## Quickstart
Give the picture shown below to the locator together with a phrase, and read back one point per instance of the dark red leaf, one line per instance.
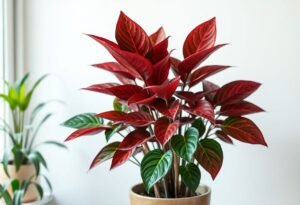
(102, 88)
(244, 130)
(131, 37)
(209, 154)
(134, 139)
(210, 89)
(115, 116)
(138, 119)
(201, 73)
(115, 68)
(235, 92)
(87, 131)
(159, 51)
(194, 60)
(136, 64)
(167, 90)
(224, 137)
(169, 109)
(160, 72)
(124, 92)
(143, 97)
(174, 65)
(105, 154)
(200, 38)
(120, 157)
(158, 36)
(164, 130)
(239, 109)
(203, 109)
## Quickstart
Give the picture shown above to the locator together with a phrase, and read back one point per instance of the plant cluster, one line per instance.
(165, 108)
(25, 129)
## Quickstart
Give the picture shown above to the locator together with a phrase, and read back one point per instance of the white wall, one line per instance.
(265, 46)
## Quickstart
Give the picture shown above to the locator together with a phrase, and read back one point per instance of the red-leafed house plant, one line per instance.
(170, 117)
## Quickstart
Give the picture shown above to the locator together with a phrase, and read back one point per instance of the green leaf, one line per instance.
(36, 110)
(15, 184)
(83, 120)
(41, 159)
(32, 157)
(21, 82)
(39, 189)
(190, 175)
(30, 93)
(105, 154)
(58, 144)
(110, 132)
(5, 195)
(48, 183)
(119, 106)
(18, 196)
(5, 163)
(199, 125)
(209, 155)
(18, 157)
(185, 146)
(155, 165)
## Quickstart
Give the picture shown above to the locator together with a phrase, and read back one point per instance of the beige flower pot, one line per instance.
(25, 172)
(202, 199)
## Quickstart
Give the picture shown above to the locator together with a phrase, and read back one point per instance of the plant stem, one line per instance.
(176, 174)
(165, 187)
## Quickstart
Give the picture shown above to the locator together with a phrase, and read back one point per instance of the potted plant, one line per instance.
(23, 160)
(170, 123)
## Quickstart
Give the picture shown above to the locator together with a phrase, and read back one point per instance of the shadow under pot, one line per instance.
(203, 197)
(25, 173)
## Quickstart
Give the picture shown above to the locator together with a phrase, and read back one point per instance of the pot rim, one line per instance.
(208, 192)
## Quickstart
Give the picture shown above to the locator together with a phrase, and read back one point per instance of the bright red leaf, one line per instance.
(164, 130)
(102, 88)
(87, 131)
(235, 92)
(134, 139)
(239, 109)
(124, 92)
(157, 36)
(120, 157)
(143, 97)
(167, 90)
(203, 109)
(131, 37)
(115, 116)
(115, 68)
(200, 38)
(224, 137)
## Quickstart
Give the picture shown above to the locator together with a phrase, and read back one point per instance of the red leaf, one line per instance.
(102, 88)
(124, 92)
(200, 38)
(87, 131)
(167, 90)
(138, 119)
(143, 97)
(210, 89)
(174, 65)
(203, 109)
(235, 92)
(164, 130)
(204, 72)
(105, 154)
(136, 64)
(186, 95)
(115, 68)
(157, 36)
(134, 139)
(160, 72)
(240, 108)
(169, 109)
(224, 137)
(120, 157)
(243, 130)
(159, 51)
(194, 60)
(131, 37)
(115, 116)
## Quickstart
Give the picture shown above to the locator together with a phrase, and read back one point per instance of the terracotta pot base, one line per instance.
(202, 199)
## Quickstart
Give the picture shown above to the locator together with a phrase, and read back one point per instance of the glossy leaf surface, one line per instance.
(190, 175)
(164, 130)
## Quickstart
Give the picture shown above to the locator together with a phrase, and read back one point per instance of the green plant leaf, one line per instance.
(5, 195)
(21, 82)
(18, 157)
(48, 183)
(199, 125)
(155, 165)
(83, 120)
(105, 154)
(110, 132)
(15, 184)
(50, 142)
(39, 189)
(185, 146)
(209, 154)
(190, 175)
(32, 157)
(5, 163)
(119, 106)
(18, 196)
(36, 110)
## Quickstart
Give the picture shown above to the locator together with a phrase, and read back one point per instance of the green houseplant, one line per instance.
(23, 160)
(171, 123)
